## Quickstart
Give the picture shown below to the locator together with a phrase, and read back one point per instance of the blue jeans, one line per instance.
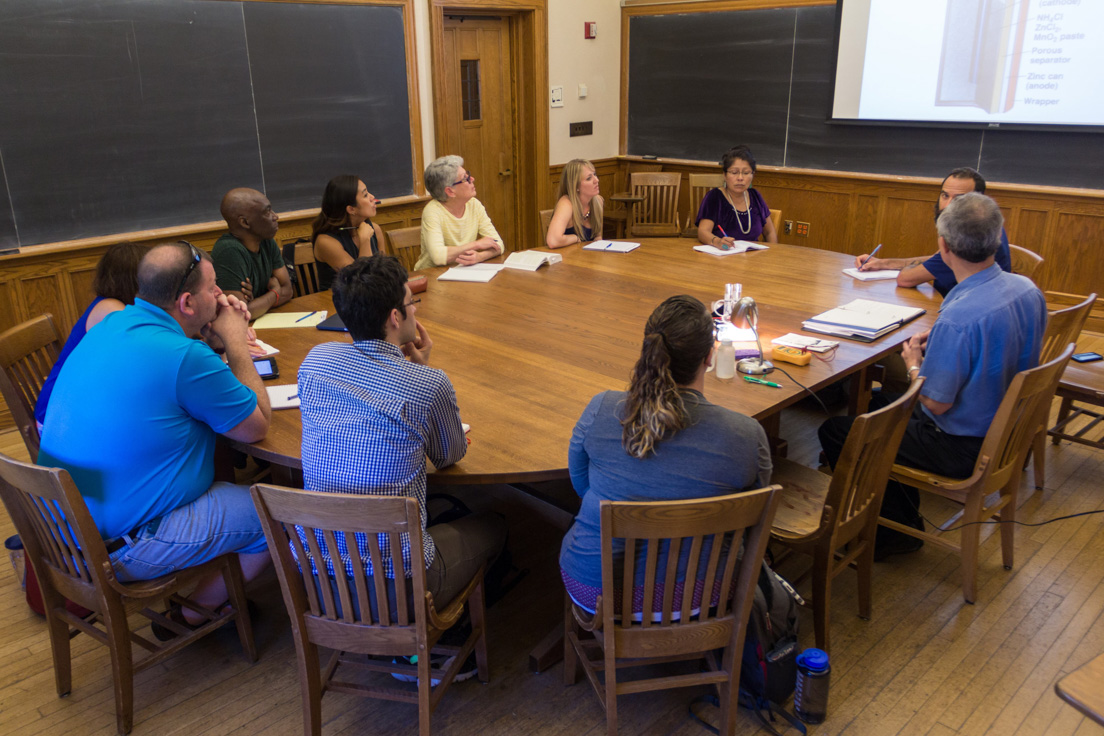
(222, 520)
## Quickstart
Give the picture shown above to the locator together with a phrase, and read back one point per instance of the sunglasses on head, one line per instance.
(196, 258)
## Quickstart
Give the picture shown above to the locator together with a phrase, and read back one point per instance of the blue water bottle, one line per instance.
(811, 695)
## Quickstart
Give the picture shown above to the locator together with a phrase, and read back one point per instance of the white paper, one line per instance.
(268, 349)
(871, 275)
(740, 246)
(276, 320)
(531, 260)
(866, 314)
(480, 273)
(793, 340)
(283, 397)
(612, 246)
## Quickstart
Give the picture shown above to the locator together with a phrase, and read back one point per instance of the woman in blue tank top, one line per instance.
(578, 214)
(115, 284)
(343, 230)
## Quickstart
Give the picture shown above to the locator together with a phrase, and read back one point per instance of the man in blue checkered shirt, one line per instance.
(374, 411)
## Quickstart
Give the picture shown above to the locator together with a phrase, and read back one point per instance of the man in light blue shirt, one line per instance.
(134, 417)
(990, 327)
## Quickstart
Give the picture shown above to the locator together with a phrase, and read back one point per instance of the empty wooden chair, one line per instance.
(834, 518)
(1024, 261)
(546, 221)
(28, 352)
(992, 489)
(405, 243)
(657, 214)
(669, 627)
(356, 616)
(700, 184)
(71, 561)
(1063, 327)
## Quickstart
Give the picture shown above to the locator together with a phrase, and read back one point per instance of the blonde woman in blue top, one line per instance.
(578, 214)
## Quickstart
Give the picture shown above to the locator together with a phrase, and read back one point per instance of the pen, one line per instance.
(306, 315)
(870, 256)
(293, 396)
(749, 379)
(723, 234)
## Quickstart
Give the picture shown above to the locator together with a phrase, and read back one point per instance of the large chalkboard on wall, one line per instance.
(118, 116)
(702, 82)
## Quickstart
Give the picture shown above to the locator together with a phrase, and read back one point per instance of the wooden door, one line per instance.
(480, 114)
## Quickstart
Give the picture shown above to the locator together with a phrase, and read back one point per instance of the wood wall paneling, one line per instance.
(1078, 267)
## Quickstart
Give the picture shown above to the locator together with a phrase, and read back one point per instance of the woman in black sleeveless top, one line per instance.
(343, 230)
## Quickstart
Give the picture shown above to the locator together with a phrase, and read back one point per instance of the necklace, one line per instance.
(747, 207)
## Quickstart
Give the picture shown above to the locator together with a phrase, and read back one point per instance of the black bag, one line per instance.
(769, 670)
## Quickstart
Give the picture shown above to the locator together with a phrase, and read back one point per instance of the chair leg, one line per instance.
(59, 640)
(971, 537)
(610, 674)
(1063, 412)
(477, 610)
(571, 664)
(425, 686)
(1038, 451)
(865, 564)
(122, 667)
(310, 685)
(822, 594)
(1008, 528)
(728, 694)
(235, 586)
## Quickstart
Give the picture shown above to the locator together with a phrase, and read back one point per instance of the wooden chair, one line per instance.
(700, 184)
(306, 268)
(1063, 327)
(674, 630)
(546, 221)
(1080, 385)
(71, 561)
(28, 352)
(834, 518)
(776, 220)
(358, 618)
(657, 215)
(1024, 261)
(615, 212)
(992, 489)
(405, 243)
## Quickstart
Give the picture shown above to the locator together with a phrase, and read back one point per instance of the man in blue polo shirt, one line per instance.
(990, 327)
(922, 269)
(134, 416)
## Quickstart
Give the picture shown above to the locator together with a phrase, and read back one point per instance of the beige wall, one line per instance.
(573, 60)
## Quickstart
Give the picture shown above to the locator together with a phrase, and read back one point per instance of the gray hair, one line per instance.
(440, 174)
(971, 226)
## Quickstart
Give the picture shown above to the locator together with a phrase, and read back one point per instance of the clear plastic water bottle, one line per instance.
(726, 360)
(811, 695)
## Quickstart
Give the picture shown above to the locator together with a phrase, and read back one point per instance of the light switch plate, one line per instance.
(557, 97)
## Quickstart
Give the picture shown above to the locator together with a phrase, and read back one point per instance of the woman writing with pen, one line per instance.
(735, 211)
(343, 230)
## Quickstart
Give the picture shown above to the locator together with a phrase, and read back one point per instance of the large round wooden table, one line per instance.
(527, 350)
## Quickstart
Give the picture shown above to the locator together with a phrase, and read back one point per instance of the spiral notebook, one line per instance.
(862, 319)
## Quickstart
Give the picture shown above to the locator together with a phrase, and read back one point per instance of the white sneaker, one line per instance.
(466, 672)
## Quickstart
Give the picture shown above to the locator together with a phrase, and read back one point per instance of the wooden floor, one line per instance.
(926, 663)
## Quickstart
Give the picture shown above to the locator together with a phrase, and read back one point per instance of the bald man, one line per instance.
(247, 259)
(134, 416)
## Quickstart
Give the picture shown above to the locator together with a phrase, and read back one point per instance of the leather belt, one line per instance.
(125, 540)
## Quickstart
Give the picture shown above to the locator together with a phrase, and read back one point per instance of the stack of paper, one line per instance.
(480, 272)
(871, 275)
(612, 246)
(740, 246)
(803, 342)
(283, 397)
(862, 319)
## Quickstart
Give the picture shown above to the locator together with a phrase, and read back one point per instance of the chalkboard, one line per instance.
(700, 83)
(118, 116)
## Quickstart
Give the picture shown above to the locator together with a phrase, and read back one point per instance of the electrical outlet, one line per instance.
(802, 229)
(787, 227)
(586, 128)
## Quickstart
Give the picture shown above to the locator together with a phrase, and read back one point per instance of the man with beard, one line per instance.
(247, 259)
(920, 270)
(134, 416)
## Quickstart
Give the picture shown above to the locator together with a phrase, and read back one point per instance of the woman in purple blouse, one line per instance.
(736, 211)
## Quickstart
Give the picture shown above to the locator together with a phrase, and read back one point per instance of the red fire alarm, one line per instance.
(590, 29)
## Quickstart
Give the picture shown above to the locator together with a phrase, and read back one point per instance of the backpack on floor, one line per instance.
(769, 669)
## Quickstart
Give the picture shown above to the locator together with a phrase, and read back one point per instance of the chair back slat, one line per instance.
(405, 244)
(376, 556)
(667, 528)
(401, 609)
(546, 221)
(306, 269)
(1020, 414)
(329, 610)
(360, 585)
(28, 352)
(339, 581)
(859, 480)
(657, 214)
(288, 535)
(1064, 326)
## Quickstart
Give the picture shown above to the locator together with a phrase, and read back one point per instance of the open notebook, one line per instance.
(862, 319)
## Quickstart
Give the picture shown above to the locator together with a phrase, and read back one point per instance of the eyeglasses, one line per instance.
(196, 258)
(467, 178)
(410, 303)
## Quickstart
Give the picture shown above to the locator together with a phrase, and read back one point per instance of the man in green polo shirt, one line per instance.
(247, 259)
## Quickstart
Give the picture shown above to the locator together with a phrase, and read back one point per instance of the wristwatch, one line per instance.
(913, 368)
